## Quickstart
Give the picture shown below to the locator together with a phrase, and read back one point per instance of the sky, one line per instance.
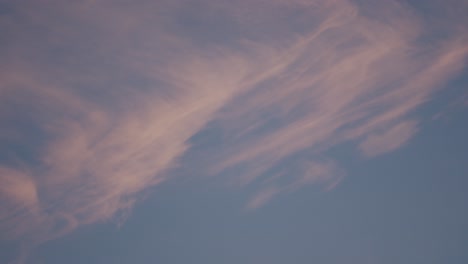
(249, 131)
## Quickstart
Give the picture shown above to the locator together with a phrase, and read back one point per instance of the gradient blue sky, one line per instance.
(197, 131)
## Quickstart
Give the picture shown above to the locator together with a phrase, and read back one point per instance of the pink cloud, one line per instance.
(118, 92)
(262, 197)
(389, 140)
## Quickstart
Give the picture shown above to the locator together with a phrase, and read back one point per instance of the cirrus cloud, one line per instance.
(101, 99)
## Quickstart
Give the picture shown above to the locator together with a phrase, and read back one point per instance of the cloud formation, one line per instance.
(101, 99)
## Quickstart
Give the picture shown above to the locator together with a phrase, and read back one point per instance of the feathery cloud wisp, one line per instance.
(109, 97)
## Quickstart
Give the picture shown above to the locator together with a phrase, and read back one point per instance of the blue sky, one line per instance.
(233, 132)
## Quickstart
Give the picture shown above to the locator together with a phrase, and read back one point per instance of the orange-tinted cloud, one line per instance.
(114, 94)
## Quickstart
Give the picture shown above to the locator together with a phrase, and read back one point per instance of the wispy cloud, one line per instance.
(108, 98)
(388, 140)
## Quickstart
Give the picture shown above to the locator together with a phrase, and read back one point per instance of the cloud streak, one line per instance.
(111, 97)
